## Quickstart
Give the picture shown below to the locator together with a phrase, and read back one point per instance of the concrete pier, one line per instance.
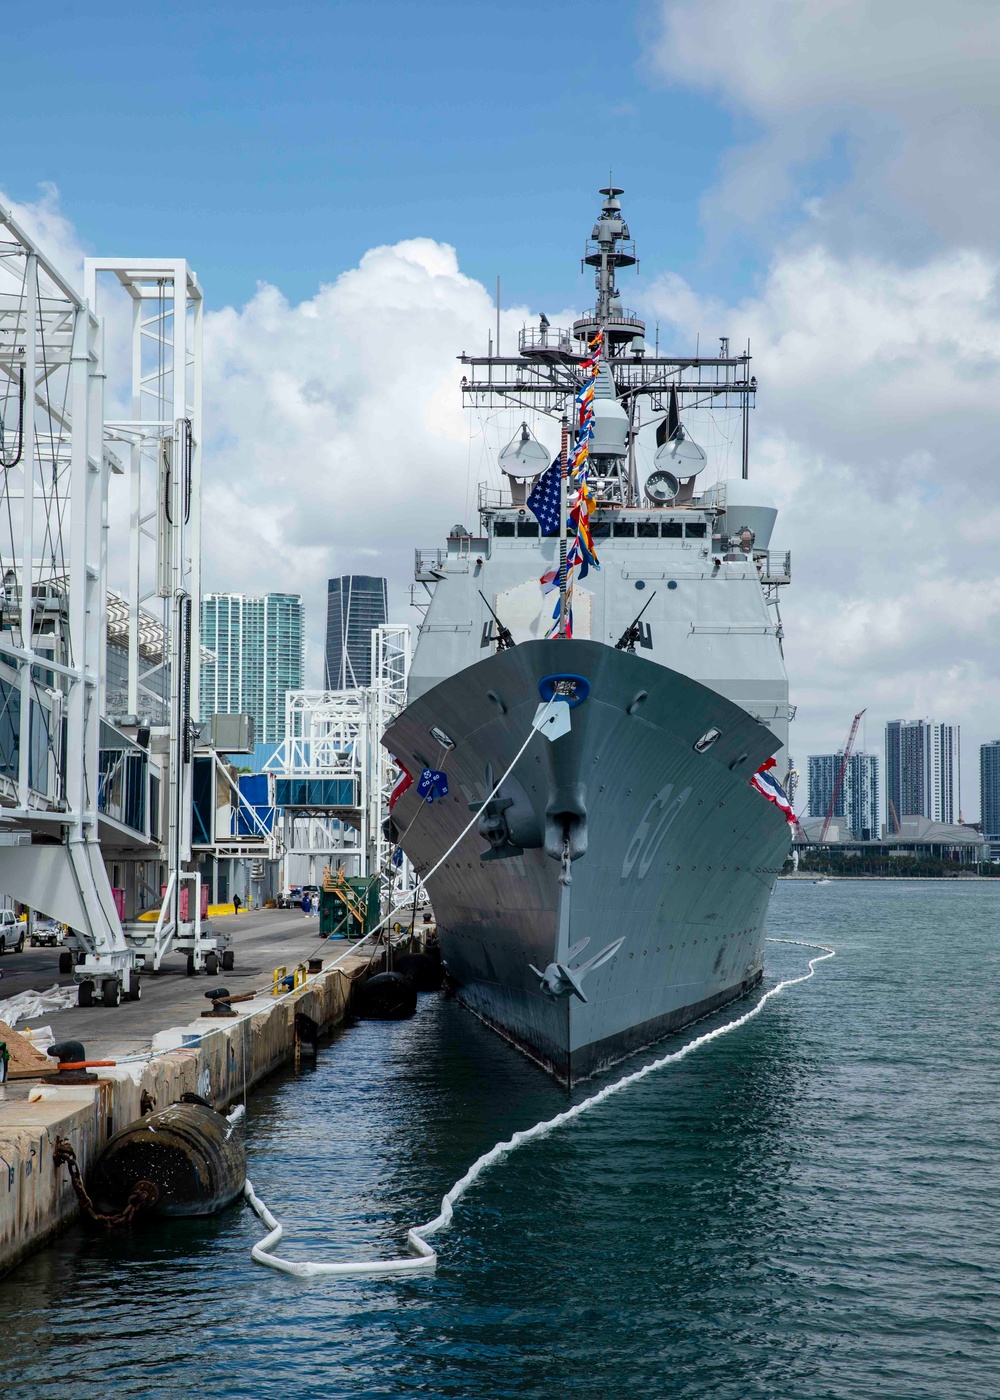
(172, 1049)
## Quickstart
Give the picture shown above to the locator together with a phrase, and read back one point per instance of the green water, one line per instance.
(805, 1208)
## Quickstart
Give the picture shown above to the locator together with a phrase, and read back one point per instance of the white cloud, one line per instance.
(910, 85)
(878, 431)
(337, 441)
(45, 223)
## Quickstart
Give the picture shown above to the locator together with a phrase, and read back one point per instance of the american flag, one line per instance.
(769, 786)
(544, 499)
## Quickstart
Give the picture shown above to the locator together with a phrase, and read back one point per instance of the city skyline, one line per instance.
(920, 776)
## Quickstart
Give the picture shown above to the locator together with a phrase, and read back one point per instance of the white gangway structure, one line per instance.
(333, 776)
(54, 473)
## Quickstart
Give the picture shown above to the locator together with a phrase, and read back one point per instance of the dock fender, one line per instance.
(566, 819)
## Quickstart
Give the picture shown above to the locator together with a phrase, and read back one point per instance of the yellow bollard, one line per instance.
(301, 975)
(276, 980)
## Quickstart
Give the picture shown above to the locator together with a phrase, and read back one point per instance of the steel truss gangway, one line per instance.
(332, 775)
(159, 428)
(54, 475)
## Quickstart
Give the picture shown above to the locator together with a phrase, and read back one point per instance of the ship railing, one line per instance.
(624, 253)
(493, 497)
(429, 564)
(616, 320)
(540, 340)
(774, 566)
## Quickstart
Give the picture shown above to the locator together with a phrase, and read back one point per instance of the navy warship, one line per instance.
(615, 883)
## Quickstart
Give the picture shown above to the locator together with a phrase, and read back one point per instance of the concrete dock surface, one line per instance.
(218, 1058)
(262, 941)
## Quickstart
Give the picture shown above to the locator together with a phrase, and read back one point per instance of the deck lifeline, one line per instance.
(36, 1199)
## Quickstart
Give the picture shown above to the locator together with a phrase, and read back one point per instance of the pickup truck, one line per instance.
(11, 932)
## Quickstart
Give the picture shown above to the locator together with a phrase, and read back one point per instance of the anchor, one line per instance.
(492, 825)
(561, 980)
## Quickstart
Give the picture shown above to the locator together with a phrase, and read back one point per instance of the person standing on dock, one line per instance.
(306, 904)
(236, 904)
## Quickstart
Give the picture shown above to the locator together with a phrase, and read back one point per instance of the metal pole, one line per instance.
(135, 517)
(28, 524)
(746, 435)
(563, 473)
(746, 418)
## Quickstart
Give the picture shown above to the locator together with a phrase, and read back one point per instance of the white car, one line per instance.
(11, 932)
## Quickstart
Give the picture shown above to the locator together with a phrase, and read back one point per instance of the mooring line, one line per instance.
(349, 952)
(424, 1259)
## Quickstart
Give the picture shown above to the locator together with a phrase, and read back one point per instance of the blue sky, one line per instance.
(815, 173)
(279, 142)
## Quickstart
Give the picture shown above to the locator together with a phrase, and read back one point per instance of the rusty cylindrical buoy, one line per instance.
(193, 1156)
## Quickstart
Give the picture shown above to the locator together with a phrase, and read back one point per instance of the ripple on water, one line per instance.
(803, 1209)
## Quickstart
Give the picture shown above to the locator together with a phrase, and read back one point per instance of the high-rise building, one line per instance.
(823, 770)
(257, 644)
(857, 802)
(989, 789)
(922, 771)
(355, 605)
(862, 796)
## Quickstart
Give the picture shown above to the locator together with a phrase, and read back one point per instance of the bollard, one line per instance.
(70, 1052)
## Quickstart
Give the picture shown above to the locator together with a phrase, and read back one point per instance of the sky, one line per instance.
(348, 181)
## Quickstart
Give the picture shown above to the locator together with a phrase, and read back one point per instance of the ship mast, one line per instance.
(545, 374)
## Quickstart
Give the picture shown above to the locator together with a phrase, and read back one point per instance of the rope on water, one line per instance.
(425, 1259)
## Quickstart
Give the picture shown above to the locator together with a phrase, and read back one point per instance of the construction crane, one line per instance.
(848, 748)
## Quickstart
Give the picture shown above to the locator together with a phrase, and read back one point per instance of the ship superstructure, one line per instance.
(615, 886)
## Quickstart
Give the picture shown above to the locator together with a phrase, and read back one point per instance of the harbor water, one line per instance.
(804, 1208)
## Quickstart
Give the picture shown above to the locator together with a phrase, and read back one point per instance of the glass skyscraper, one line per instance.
(355, 605)
(257, 643)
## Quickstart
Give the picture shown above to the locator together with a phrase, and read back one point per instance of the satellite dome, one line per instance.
(524, 456)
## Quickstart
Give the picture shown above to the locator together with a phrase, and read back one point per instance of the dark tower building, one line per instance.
(356, 605)
(989, 781)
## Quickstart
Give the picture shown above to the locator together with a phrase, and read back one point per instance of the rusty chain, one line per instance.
(143, 1195)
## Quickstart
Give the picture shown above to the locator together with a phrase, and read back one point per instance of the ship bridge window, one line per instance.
(529, 529)
(503, 528)
(647, 530)
(672, 529)
(600, 529)
(623, 529)
(696, 531)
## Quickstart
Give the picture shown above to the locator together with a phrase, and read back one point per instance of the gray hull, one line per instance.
(673, 851)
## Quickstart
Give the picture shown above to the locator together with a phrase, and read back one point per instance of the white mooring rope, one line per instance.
(349, 952)
(425, 1259)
